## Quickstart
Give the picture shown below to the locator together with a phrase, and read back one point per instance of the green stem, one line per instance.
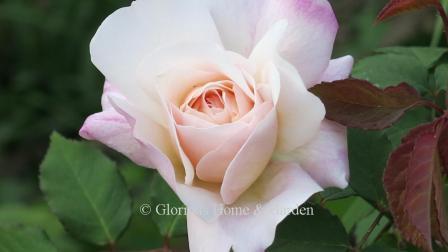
(441, 21)
(370, 230)
(442, 11)
(437, 33)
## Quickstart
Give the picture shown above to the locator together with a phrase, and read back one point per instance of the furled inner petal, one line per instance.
(219, 102)
(216, 119)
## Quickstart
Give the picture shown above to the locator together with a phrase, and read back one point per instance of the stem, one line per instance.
(112, 247)
(440, 8)
(166, 244)
(434, 106)
(437, 33)
(370, 230)
(384, 230)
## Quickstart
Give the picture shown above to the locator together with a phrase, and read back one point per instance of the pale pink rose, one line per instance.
(213, 94)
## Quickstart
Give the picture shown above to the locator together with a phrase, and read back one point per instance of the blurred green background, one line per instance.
(48, 83)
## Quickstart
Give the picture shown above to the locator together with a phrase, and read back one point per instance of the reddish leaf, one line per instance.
(439, 218)
(414, 186)
(395, 7)
(414, 133)
(360, 104)
(443, 147)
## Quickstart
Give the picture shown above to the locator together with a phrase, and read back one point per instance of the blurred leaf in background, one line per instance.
(46, 78)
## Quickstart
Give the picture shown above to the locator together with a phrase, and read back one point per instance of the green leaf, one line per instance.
(391, 69)
(364, 224)
(163, 199)
(381, 248)
(357, 210)
(441, 76)
(39, 215)
(407, 122)
(320, 232)
(428, 56)
(368, 154)
(336, 193)
(24, 240)
(85, 190)
(142, 233)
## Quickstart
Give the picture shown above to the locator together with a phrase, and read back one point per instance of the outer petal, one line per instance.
(131, 33)
(338, 69)
(281, 188)
(299, 111)
(326, 157)
(205, 237)
(308, 42)
(117, 130)
(112, 129)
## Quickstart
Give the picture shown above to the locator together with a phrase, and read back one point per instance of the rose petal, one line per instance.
(326, 157)
(203, 237)
(143, 126)
(198, 57)
(309, 39)
(109, 89)
(213, 166)
(299, 111)
(281, 188)
(113, 130)
(197, 142)
(252, 158)
(131, 33)
(338, 69)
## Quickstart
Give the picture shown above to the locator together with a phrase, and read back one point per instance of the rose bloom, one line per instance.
(214, 95)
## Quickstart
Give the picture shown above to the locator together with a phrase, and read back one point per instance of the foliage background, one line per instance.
(48, 83)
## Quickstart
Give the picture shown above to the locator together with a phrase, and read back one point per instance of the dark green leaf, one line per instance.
(163, 199)
(368, 154)
(428, 56)
(412, 118)
(321, 232)
(441, 76)
(336, 193)
(24, 240)
(381, 248)
(142, 233)
(40, 216)
(390, 69)
(350, 211)
(85, 190)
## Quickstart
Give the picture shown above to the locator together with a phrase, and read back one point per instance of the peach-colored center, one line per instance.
(218, 102)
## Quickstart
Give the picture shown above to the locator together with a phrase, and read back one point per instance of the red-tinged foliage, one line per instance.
(443, 147)
(360, 104)
(395, 7)
(414, 186)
